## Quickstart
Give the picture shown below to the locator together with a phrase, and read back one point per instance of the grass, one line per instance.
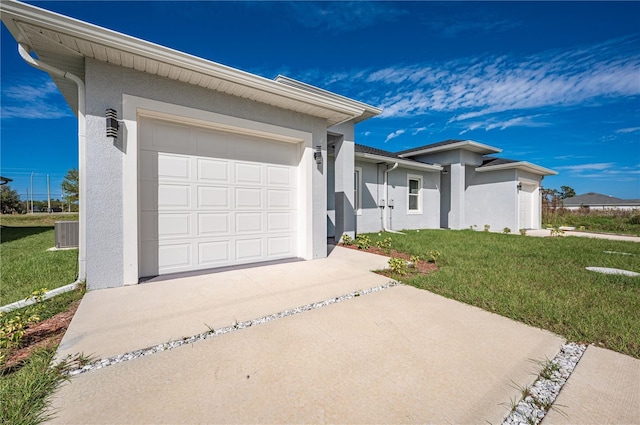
(603, 221)
(24, 393)
(538, 281)
(26, 263)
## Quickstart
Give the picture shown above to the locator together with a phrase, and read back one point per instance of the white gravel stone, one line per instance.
(543, 392)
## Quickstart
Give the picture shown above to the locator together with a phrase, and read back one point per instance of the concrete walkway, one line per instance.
(547, 233)
(401, 355)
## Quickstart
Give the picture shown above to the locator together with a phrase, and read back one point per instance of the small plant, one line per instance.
(363, 242)
(486, 227)
(582, 228)
(398, 266)
(523, 232)
(414, 259)
(14, 326)
(473, 227)
(433, 256)
(506, 230)
(347, 240)
(556, 231)
(384, 244)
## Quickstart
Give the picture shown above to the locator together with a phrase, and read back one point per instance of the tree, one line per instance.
(10, 200)
(566, 192)
(70, 186)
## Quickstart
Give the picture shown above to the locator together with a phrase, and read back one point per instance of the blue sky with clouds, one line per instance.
(557, 84)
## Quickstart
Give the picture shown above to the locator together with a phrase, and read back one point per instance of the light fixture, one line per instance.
(112, 123)
(317, 155)
(519, 186)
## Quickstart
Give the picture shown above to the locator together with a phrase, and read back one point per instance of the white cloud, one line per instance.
(36, 101)
(587, 167)
(493, 123)
(628, 130)
(478, 86)
(393, 135)
(418, 130)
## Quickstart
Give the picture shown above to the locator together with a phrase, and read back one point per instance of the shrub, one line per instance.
(347, 240)
(486, 227)
(13, 326)
(414, 259)
(398, 266)
(506, 230)
(363, 241)
(523, 232)
(384, 244)
(433, 255)
(635, 219)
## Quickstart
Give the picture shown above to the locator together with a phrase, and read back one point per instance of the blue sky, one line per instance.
(557, 84)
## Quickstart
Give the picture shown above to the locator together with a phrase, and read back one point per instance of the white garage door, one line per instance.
(213, 199)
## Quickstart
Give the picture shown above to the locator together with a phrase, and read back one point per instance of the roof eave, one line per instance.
(402, 162)
(522, 165)
(469, 145)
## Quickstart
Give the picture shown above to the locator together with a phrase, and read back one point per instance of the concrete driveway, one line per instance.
(398, 355)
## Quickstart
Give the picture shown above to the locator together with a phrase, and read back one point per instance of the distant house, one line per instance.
(599, 201)
(452, 184)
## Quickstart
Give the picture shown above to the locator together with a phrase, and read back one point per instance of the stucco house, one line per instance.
(206, 166)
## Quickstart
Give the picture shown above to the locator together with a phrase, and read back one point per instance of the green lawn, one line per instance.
(25, 263)
(538, 281)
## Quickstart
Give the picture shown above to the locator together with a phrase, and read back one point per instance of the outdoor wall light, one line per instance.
(519, 186)
(112, 123)
(317, 155)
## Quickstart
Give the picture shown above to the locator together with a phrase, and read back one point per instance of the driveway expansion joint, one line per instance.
(539, 397)
(211, 333)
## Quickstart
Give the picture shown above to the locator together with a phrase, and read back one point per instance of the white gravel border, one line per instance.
(99, 364)
(541, 395)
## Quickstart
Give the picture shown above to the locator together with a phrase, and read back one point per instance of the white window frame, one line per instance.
(357, 196)
(418, 178)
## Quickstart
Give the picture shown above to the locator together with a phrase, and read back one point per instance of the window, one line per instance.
(414, 185)
(357, 190)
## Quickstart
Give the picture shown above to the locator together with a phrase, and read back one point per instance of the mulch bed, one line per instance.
(422, 267)
(45, 334)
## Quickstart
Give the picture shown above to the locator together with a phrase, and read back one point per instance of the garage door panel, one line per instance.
(249, 222)
(174, 256)
(174, 196)
(248, 197)
(249, 249)
(214, 224)
(174, 226)
(173, 167)
(214, 253)
(212, 170)
(213, 144)
(213, 197)
(279, 198)
(248, 173)
(280, 222)
(279, 246)
(279, 176)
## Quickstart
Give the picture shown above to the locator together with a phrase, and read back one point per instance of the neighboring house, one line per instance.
(594, 200)
(451, 184)
(206, 166)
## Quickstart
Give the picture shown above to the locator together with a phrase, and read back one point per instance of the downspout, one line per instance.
(24, 52)
(385, 191)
